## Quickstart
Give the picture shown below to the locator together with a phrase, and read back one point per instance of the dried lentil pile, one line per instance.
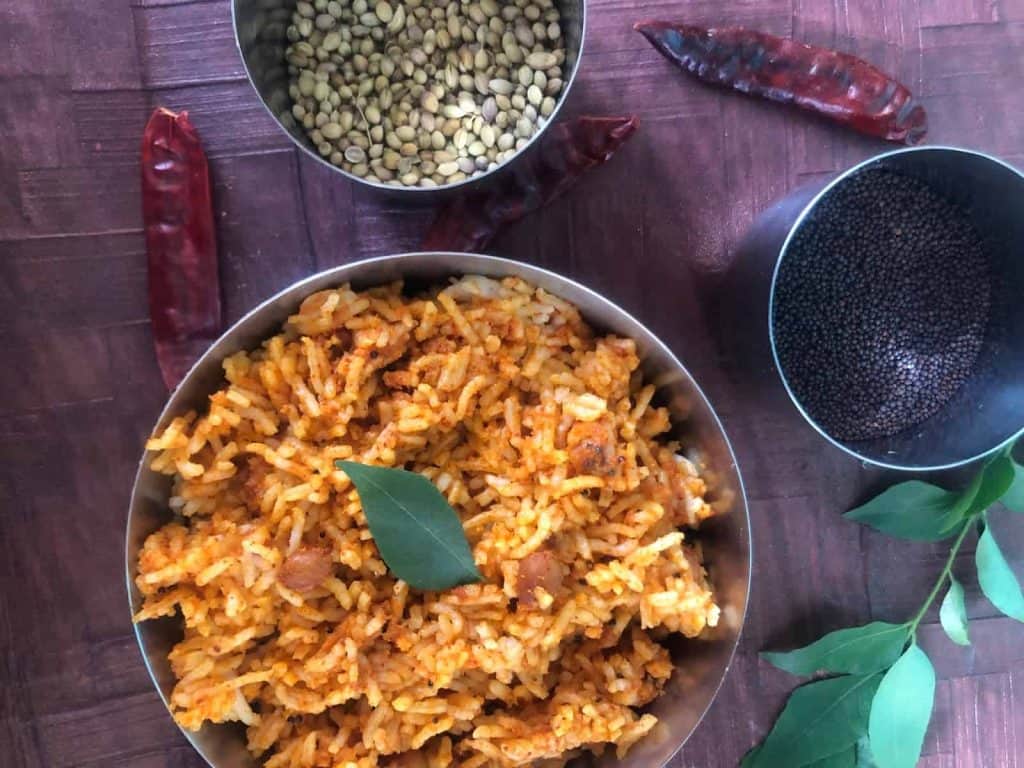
(423, 92)
(881, 306)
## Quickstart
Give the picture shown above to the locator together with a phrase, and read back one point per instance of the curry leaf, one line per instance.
(953, 614)
(864, 757)
(845, 759)
(819, 720)
(913, 510)
(996, 579)
(750, 759)
(417, 533)
(996, 479)
(901, 710)
(1014, 496)
(859, 651)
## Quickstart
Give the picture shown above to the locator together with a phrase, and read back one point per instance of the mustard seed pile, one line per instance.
(881, 305)
(423, 92)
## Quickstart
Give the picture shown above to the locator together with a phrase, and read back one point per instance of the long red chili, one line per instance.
(563, 154)
(177, 210)
(836, 85)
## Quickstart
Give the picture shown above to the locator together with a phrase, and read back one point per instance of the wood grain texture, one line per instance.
(654, 230)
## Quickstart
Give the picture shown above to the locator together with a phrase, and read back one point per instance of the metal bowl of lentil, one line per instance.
(698, 665)
(894, 313)
(466, 94)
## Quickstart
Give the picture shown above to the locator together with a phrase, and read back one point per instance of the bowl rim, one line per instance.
(402, 188)
(342, 273)
(784, 248)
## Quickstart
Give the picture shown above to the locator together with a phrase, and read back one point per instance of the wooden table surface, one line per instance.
(80, 387)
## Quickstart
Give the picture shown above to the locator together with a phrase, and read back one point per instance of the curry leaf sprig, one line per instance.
(418, 534)
(873, 712)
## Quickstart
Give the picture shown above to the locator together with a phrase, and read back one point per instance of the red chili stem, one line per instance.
(838, 86)
(564, 153)
(177, 211)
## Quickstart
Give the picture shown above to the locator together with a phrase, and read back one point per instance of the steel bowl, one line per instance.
(260, 27)
(701, 664)
(987, 412)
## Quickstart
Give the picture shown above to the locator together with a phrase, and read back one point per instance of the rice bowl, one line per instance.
(359, 670)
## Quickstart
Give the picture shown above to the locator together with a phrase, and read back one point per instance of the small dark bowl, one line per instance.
(987, 411)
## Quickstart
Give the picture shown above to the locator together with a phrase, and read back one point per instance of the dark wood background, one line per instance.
(79, 388)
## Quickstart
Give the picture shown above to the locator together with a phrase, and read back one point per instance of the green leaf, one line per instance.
(417, 533)
(913, 510)
(969, 494)
(845, 759)
(996, 579)
(996, 479)
(1014, 497)
(864, 757)
(901, 710)
(750, 759)
(819, 720)
(858, 651)
(953, 613)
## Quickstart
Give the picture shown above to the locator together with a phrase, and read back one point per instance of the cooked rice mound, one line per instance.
(542, 437)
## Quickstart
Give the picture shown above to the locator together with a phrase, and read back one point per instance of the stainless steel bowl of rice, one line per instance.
(597, 489)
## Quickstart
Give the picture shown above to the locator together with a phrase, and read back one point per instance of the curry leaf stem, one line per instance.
(943, 577)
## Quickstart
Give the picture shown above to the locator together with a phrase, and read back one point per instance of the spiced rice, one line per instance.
(543, 438)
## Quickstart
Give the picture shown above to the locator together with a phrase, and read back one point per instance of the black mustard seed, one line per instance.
(881, 305)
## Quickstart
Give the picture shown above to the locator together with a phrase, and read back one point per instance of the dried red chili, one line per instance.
(563, 154)
(838, 86)
(177, 211)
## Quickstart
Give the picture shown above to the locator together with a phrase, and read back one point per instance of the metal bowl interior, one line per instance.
(701, 664)
(260, 27)
(987, 411)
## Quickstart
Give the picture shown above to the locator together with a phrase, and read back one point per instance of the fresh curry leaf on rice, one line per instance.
(418, 534)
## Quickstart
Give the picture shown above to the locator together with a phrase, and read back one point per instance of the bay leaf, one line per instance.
(416, 531)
